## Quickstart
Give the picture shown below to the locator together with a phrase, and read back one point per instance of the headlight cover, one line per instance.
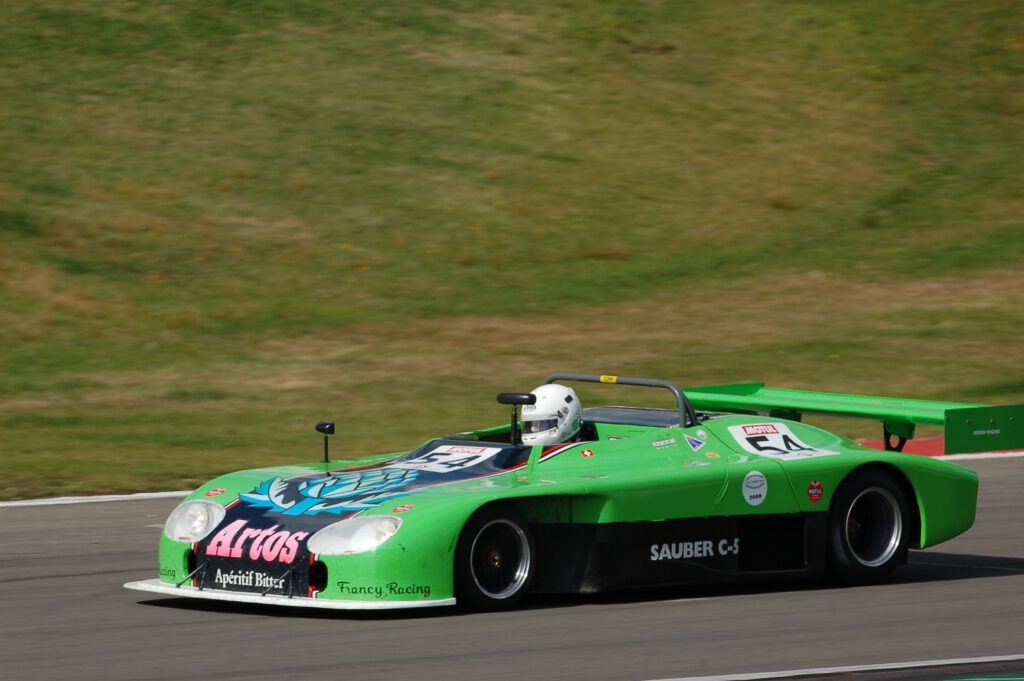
(193, 520)
(354, 535)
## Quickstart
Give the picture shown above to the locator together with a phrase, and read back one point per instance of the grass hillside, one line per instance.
(221, 222)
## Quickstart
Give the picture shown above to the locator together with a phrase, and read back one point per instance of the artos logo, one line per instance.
(258, 544)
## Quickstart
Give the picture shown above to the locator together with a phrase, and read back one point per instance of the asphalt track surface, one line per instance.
(65, 615)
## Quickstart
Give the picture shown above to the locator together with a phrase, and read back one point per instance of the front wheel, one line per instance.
(869, 527)
(494, 561)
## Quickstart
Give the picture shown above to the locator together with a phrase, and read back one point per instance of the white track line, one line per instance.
(986, 455)
(844, 670)
(59, 501)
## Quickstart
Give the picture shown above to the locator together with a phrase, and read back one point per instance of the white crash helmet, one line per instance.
(554, 418)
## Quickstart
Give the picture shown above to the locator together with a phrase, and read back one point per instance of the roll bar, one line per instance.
(687, 415)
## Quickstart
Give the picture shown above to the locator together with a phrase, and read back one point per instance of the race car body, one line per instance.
(711, 491)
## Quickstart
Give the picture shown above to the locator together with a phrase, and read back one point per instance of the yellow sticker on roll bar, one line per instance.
(609, 379)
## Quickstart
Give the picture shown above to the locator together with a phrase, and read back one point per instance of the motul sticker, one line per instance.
(815, 491)
(402, 509)
(755, 488)
(459, 449)
(761, 429)
(215, 492)
(587, 452)
(775, 440)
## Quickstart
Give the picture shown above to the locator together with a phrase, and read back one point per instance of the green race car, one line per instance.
(729, 485)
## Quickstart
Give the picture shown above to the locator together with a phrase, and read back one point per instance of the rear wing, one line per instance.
(967, 427)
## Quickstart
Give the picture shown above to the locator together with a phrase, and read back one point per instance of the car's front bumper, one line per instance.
(159, 587)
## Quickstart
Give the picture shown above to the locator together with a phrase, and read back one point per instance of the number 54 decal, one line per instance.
(448, 458)
(775, 440)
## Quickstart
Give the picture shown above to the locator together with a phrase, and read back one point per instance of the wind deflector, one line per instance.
(687, 415)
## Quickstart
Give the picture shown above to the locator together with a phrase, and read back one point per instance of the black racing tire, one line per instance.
(495, 560)
(869, 527)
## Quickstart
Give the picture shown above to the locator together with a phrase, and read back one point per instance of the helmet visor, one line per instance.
(539, 425)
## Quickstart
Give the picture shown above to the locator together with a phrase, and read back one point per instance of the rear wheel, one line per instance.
(869, 527)
(494, 561)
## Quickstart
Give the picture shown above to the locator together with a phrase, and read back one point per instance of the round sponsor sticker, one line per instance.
(587, 452)
(815, 491)
(755, 488)
(702, 434)
(402, 509)
(215, 492)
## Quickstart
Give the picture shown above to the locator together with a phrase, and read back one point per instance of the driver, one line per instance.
(556, 417)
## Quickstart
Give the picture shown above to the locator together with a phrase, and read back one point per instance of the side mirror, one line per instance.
(327, 428)
(517, 398)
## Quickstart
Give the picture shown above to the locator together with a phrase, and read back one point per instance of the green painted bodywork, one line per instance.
(651, 474)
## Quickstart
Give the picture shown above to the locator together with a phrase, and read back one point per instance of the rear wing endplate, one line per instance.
(966, 427)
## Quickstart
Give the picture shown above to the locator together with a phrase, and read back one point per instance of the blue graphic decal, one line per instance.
(340, 493)
(348, 492)
(694, 443)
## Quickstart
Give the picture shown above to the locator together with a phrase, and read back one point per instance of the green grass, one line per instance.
(221, 223)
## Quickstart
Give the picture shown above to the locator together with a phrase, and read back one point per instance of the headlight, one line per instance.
(355, 535)
(193, 520)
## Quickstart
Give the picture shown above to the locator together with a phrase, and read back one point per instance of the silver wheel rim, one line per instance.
(499, 559)
(874, 527)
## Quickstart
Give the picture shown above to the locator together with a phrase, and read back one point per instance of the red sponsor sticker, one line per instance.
(815, 491)
(461, 449)
(761, 429)
(587, 452)
(215, 492)
(402, 509)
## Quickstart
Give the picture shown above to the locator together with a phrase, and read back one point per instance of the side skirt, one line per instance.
(586, 558)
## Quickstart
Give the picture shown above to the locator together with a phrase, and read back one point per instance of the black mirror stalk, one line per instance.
(327, 428)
